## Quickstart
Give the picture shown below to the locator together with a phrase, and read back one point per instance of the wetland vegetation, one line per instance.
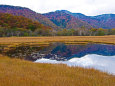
(29, 73)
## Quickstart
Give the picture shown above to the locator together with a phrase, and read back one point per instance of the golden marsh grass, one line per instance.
(15, 72)
(69, 39)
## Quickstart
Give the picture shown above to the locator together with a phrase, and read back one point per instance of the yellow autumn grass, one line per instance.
(69, 39)
(15, 72)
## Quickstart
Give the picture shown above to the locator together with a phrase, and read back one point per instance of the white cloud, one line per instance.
(88, 7)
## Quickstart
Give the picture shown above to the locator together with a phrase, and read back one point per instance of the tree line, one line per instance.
(6, 32)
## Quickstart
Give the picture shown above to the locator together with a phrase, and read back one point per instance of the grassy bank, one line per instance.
(15, 72)
(66, 39)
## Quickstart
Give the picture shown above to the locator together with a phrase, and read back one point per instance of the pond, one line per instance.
(98, 56)
(61, 51)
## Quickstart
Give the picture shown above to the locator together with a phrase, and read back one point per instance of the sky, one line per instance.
(87, 7)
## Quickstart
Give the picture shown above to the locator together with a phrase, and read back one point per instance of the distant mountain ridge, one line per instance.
(106, 21)
(62, 18)
(26, 12)
(65, 20)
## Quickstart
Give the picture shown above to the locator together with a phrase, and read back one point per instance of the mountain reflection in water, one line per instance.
(98, 56)
(60, 51)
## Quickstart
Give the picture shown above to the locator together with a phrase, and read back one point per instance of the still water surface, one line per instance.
(98, 56)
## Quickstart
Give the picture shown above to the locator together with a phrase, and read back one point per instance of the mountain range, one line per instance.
(62, 18)
(28, 13)
(106, 21)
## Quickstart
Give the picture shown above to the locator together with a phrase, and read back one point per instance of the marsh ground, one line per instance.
(16, 72)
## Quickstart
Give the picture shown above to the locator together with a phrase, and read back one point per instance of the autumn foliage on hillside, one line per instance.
(21, 21)
(10, 21)
(26, 12)
(11, 25)
(65, 20)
